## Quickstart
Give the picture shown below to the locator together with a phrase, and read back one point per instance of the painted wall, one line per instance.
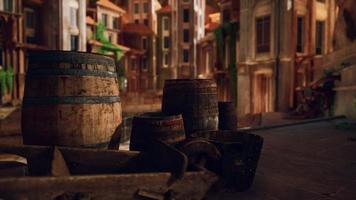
(67, 29)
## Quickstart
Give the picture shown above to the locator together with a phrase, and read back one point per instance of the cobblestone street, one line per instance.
(314, 161)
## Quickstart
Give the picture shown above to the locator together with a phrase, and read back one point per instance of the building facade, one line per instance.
(72, 25)
(164, 45)
(282, 43)
(188, 27)
(104, 25)
(139, 34)
(33, 25)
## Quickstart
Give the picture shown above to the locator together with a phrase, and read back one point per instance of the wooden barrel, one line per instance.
(195, 99)
(227, 116)
(149, 126)
(240, 152)
(71, 99)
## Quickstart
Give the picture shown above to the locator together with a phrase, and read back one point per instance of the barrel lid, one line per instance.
(158, 116)
(70, 57)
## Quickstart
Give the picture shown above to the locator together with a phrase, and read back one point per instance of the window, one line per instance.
(115, 23)
(137, 21)
(165, 23)
(300, 34)
(30, 18)
(185, 55)
(104, 18)
(144, 64)
(166, 42)
(132, 64)
(74, 17)
(74, 43)
(8, 5)
(186, 35)
(186, 13)
(145, 7)
(136, 8)
(110, 38)
(321, 1)
(144, 43)
(263, 34)
(145, 22)
(319, 38)
(165, 60)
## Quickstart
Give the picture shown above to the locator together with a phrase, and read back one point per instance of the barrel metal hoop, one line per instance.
(70, 100)
(70, 72)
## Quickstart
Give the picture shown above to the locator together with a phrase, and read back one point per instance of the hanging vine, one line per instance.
(107, 45)
(6, 80)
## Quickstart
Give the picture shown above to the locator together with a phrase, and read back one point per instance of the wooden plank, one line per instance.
(194, 185)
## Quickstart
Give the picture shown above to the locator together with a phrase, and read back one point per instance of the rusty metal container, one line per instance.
(71, 99)
(155, 125)
(195, 99)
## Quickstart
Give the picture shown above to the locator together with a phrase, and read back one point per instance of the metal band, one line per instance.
(70, 72)
(70, 100)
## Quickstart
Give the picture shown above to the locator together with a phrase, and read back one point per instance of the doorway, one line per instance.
(262, 93)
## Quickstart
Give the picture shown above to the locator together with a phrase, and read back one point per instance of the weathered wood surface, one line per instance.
(97, 161)
(227, 116)
(150, 126)
(194, 185)
(129, 175)
(71, 99)
(195, 99)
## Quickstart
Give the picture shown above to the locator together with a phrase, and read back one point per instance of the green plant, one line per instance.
(107, 45)
(3, 81)
(6, 80)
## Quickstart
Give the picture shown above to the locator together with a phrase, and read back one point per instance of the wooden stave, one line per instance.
(202, 95)
(168, 129)
(227, 116)
(75, 100)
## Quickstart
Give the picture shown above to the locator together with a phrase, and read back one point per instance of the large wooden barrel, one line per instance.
(227, 116)
(195, 99)
(71, 99)
(150, 126)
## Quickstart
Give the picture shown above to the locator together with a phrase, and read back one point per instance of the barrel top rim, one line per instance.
(67, 51)
(36, 53)
(189, 80)
(158, 116)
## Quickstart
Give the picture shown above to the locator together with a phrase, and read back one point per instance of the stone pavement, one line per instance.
(315, 161)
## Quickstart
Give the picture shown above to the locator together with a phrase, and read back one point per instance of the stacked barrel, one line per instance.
(72, 99)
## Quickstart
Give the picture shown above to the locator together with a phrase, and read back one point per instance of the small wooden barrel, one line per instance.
(195, 99)
(227, 116)
(71, 99)
(149, 126)
(240, 152)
